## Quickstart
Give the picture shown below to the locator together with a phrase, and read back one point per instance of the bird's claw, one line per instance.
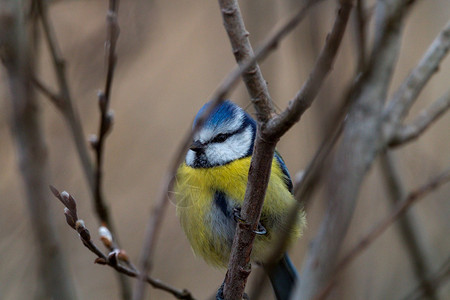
(237, 215)
(260, 230)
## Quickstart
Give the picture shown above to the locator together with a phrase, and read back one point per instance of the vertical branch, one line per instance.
(17, 54)
(64, 102)
(267, 137)
(360, 143)
(278, 125)
(106, 116)
(243, 51)
(105, 126)
(220, 93)
(258, 179)
(408, 225)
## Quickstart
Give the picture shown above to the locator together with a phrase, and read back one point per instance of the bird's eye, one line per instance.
(220, 138)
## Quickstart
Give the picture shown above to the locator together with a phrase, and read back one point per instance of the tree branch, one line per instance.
(278, 125)
(65, 99)
(54, 98)
(64, 103)
(105, 126)
(243, 51)
(426, 118)
(18, 47)
(406, 95)
(106, 116)
(359, 145)
(218, 96)
(303, 191)
(258, 179)
(401, 208)
(436, 279)
(408, 224)
(266, 139)
(116, 256)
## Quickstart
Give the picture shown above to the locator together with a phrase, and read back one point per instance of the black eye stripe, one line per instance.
(222, 137)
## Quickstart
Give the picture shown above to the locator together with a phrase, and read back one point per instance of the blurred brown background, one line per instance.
(172, 54)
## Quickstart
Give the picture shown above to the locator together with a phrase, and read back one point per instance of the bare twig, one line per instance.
(369, 238)
(409, 132)
(115, 256)
(278, 125)
(242, 50)
(220, 93)
(408, 224)
(105, 126)
(266, 139)
(17, 44)
(436, 279)
(358, 147)
(407, 94)
(65, 102)
(106, 116)
(54, 98)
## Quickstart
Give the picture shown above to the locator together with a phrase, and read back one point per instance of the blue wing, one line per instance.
(287, 177)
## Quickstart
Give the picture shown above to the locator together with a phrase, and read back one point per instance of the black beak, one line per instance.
(197, 146)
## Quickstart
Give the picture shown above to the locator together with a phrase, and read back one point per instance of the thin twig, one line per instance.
(220, 93)
(106, 116)
(105, 126)
(63, 101)
(114, 257)
(436, 279)
(426, 118)
(369, 238)
(54, 98)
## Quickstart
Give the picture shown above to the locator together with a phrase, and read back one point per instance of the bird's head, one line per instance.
(226, 135)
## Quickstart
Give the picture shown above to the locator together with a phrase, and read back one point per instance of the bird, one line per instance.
(210, 188)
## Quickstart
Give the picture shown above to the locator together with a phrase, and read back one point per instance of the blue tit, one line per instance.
(210, 190)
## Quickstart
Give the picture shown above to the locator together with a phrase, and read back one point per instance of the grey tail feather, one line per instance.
(283, 277)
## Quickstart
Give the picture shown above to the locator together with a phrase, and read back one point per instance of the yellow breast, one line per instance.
(208, 230)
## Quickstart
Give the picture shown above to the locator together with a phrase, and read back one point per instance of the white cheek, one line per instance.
(190, 157)
(233, 148)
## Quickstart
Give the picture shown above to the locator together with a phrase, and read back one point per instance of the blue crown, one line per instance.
(226, 111)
